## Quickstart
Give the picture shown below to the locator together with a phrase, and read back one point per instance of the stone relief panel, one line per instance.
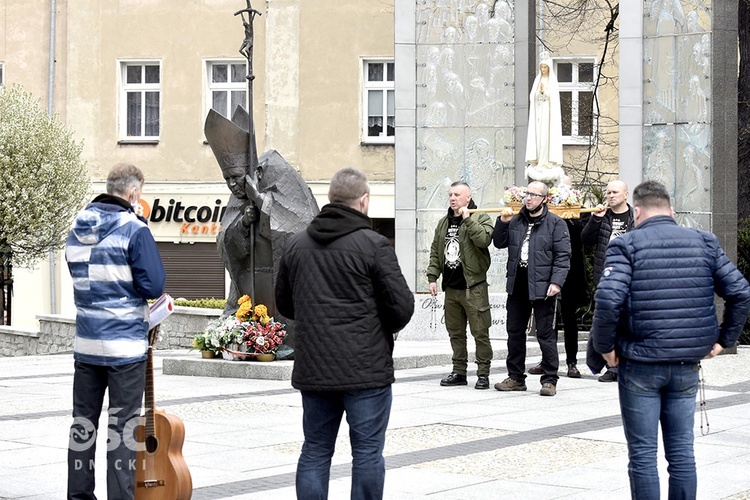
(677, 95)
(439, 160)
(465, 113)
(659, 151)
(692, 198)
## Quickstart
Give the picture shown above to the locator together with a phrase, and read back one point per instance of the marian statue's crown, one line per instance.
(544, 55)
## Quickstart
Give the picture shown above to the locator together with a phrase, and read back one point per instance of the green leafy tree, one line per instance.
(43, 181)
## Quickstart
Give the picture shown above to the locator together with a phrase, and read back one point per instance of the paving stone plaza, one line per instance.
(243, 436)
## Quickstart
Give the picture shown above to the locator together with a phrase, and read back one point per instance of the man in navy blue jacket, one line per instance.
(655, 318)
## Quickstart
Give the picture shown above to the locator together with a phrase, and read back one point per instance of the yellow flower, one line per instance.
(195, 342)
(243, 299)
(244, 311)
(261, 310)
(264, 319)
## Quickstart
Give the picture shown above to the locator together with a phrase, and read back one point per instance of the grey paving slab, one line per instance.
(243, 436)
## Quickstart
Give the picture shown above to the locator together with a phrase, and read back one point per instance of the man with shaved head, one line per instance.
(606, 225)
(460, 254)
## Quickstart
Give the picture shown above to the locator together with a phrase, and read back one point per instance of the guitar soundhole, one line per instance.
(151, 444)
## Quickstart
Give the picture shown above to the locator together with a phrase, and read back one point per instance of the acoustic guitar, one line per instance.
(161, 472)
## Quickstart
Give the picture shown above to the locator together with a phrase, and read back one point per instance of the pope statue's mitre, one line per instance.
(228, 138)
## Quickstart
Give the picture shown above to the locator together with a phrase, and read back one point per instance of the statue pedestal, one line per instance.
(426, 325)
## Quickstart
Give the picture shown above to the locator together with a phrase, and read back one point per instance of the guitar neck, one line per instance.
(149, 402)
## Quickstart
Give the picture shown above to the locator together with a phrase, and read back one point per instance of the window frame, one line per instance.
(385, 86)
(575, 87)
(125, 88)
(2, 73)
(209, 87)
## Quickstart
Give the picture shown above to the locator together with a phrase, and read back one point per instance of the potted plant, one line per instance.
(208, 343)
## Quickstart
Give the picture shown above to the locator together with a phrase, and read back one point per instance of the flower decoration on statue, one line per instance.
(560, 195)
(564, 196)
(514, 194)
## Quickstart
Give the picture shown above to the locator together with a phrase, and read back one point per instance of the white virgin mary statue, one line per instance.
(544, 138)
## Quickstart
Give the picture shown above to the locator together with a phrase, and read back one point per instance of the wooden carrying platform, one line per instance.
(564, 211)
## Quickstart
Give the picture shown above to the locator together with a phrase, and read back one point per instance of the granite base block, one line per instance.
(197, 367)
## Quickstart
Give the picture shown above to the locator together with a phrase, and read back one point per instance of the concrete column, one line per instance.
(525, 71)
(723, 107)
(406, 141)
(631, 93)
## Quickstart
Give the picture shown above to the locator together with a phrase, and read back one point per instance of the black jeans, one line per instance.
(126, 384)
(519, 311)
(568, 309)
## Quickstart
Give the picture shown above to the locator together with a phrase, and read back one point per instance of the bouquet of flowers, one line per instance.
(514, 194)
(263, 337)
(564, 195)
(251, 330)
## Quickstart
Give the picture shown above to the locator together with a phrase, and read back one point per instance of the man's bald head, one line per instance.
(617, 196)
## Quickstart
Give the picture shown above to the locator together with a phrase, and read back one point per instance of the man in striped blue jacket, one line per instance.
(115, 266)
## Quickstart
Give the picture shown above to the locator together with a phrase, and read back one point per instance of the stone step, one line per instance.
(406, 355)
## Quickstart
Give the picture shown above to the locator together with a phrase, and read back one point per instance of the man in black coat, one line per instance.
(341, 282)
(605, 225)
(573, 296)
(538, 260)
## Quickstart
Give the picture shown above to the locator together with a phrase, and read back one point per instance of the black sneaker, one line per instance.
(483, 382)
(536, 370)
(573, 371)
(609, 376)
(454, 379)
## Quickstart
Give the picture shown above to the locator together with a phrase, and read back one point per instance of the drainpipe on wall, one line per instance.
(51, 111)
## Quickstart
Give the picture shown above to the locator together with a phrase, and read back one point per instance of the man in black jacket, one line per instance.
(340, 281)
(538, 246)
(573, 296)
(605, 225)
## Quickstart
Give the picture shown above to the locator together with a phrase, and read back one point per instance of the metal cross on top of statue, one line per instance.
(246, 49)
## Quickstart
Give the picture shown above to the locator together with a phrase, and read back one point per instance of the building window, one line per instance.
(576, 80)
(141, 96)
(379, 116)
(226, 86)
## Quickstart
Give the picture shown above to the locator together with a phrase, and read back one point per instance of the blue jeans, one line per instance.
(367, 412)
(652, 393)
(126, 384)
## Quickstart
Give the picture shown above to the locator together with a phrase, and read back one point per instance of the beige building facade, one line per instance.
(134, 80)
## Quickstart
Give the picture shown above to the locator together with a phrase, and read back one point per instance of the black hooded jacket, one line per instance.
(341, 282)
